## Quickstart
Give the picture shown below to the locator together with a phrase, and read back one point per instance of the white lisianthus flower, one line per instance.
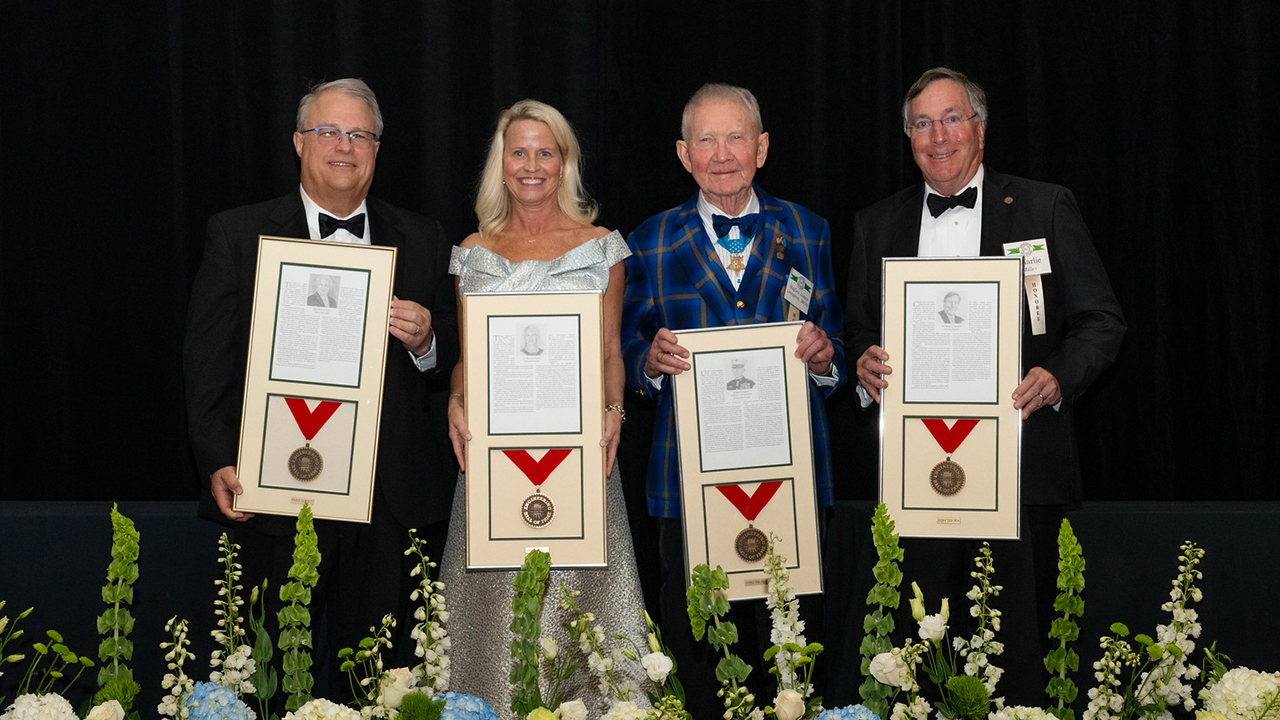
(572, 710)
(788, 705)
(657, 665)
(396, 684)
(549, 648)
(933, 628)
(889, 669)
(109, 710)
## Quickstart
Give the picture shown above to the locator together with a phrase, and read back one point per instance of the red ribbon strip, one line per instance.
(310, 421)
(537, 470)
(950, 437)
(750, 506)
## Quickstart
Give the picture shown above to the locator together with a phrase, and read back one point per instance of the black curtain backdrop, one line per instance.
(125, 126)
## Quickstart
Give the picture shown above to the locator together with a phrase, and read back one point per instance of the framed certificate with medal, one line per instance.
(534, 392)
(746, 456)
(950, 437)
(313, 380)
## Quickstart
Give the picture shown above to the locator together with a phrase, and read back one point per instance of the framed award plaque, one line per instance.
(313, 381)
(950, 436)
(746, 456)
(534, 393)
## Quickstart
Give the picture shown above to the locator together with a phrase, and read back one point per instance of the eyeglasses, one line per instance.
(949, 123)
(330, 136)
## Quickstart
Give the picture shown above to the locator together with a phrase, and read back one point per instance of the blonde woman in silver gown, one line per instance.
(536, 233)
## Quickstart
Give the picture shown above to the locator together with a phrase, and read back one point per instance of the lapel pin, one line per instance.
(1008, 201)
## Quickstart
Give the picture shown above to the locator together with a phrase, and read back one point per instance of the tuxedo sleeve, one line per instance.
(1094, 323)
(862, 306)
(214, 355)
(830, 317)
(444, 311)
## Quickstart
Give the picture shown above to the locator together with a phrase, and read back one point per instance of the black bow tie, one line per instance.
(748, 225)
(939, 204)
(330, 225)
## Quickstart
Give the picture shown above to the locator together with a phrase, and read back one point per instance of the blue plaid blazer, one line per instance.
(675, 280)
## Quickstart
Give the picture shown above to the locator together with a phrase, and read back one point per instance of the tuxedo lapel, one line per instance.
(905, 241)
(702, 268)
(384, 225)
(997, 213)
(289, 219)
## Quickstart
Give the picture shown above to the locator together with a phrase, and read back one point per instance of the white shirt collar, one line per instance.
(706, 210)
(313, 211)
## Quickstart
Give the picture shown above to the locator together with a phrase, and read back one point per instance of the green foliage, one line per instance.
(363, 665)
(264, 678)
(50, 663)
(122, 690)
(707, 604)
(1062, 660)
(878, 624)
(968, 698)
(295, 620)
(116, 623)
(529, 586)
(417, 706)
(9, 632)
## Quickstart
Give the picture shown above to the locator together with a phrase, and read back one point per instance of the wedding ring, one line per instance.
(417, 327)
(1042, 400)
(660, 354)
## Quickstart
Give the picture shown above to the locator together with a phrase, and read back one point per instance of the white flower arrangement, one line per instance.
(40, 707)
(1020, 712)
(232, 665)
(1242, 694)
(321, 709)
(1167, 679)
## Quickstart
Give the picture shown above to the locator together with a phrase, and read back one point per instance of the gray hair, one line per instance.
(712, 92)
(354, 87)
(977, 97)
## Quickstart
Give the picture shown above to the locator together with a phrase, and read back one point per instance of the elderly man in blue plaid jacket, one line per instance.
(722, 258)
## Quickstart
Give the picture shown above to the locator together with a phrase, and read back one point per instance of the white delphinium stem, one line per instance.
(176, 682)
(590, 640)
(233, 664)
(979, 650)
(1106, 699)
(784, 610)
(429, 633)
(1166, 681)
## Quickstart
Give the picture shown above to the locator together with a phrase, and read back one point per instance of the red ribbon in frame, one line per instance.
(950, 438)
(310, 421)
(537, 470)
(750, 505)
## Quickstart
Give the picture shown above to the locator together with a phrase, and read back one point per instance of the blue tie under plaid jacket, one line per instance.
(675, 280)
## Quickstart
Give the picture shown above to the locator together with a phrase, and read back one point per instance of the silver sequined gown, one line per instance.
(480, 602)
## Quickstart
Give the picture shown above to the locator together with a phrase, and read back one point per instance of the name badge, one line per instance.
(1035, 262)
(1034, 254)
(799, 292)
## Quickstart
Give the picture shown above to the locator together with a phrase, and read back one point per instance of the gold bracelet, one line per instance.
(622, 414)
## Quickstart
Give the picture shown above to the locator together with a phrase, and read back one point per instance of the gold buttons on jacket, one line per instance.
(741, 304)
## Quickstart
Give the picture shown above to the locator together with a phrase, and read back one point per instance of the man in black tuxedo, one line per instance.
(363, 572)
(964, 209)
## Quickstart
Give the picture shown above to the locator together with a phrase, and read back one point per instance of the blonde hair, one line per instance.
(493, 204)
